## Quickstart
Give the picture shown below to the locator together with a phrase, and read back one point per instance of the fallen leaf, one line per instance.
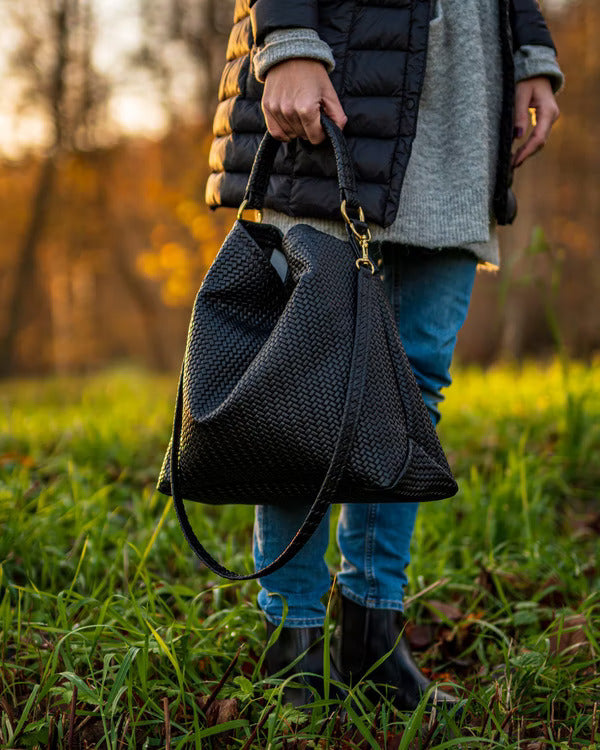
(419, 636)
(585, 526)
(17, 458)
(450, 611)
(220, 711)
(569, 635)
(554, 597)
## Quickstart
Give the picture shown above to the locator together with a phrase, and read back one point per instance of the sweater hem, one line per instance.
(486, 251)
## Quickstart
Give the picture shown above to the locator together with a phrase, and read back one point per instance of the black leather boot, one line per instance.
(289, 645)
(364, 635)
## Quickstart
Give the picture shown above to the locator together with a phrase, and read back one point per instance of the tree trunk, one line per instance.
(27, 255)
(26, 267)
(146, 304)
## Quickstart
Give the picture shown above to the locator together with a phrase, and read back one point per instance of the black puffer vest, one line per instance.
(380, 51)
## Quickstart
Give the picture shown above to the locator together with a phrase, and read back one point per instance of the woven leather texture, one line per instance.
(297, 388)
(267, 370)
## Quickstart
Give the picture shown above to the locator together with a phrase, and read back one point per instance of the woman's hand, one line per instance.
(294, 93)
(533, 93)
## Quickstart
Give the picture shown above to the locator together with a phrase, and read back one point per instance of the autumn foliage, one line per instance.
(123, 238)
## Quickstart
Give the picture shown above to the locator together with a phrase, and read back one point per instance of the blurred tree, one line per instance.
(200, 29)
(107, 236)
(52, 63)
(559, 190)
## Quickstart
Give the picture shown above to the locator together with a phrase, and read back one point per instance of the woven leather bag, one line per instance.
(295, 388)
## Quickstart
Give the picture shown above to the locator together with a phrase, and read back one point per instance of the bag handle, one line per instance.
(253, 198)
(327, 492)
(262, 167)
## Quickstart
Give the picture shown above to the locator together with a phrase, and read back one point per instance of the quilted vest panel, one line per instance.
(380, 50)
(380, 53)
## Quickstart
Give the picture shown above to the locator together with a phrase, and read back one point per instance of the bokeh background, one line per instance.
(105, 127)
(111, 634)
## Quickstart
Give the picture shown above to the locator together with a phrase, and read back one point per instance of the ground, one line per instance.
(112, 636)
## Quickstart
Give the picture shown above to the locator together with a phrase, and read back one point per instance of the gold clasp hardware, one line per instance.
(243, 206)
(366, 262)
(363, 239)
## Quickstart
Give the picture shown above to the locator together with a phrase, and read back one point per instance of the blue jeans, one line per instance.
(430, 292)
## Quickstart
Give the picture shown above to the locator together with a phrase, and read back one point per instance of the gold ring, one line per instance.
(361, 216)
(361, 213)
(243, 206)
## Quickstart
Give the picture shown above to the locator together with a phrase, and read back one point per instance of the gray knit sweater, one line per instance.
(446, 198)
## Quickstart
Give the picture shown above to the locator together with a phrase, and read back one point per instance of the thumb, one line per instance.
(333, 108)
(522, 101)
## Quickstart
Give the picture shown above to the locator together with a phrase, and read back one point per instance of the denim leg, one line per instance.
(430, 293)
(304, 579)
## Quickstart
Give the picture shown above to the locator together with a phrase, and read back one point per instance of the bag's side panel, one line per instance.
(396, 445)
(428, 461)
(380, 447)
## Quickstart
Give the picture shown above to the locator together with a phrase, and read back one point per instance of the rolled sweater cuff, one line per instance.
(538, 60)
(284, 44)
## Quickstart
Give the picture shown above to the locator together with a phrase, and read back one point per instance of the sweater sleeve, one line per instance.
(538, 60)
(284, 44)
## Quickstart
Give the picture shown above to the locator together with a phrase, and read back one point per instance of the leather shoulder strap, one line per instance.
(327, 492)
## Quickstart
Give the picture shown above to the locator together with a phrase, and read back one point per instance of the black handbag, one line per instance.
(295, 387)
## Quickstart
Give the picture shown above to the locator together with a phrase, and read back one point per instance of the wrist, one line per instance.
(534, 61)
(286, 44)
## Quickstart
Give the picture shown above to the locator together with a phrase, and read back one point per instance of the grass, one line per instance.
(111, 636)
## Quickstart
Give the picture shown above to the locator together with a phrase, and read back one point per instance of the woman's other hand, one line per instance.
(533, 93)
(295, 91)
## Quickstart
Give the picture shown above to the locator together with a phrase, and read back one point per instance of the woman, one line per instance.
(430, 96)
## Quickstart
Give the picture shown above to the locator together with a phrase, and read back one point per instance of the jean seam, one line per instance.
(386, 604)
(371, 603)
(349, 594)
(301, 622)
(369, 547)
